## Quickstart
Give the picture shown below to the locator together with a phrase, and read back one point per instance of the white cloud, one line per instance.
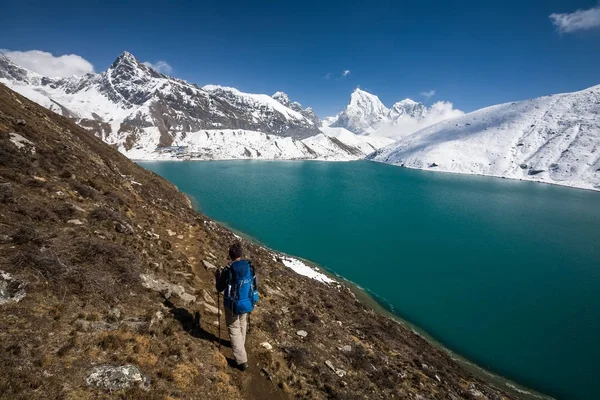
(327, 76)
(345, 73)
(46, 64)
(406, 125)
(577, 21)
(429, 93)
(161, 66)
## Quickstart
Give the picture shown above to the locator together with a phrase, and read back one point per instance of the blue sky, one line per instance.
(472, 53)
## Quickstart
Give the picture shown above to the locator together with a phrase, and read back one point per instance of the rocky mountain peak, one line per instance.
(282, 97)
(408, 107)
(364, 113)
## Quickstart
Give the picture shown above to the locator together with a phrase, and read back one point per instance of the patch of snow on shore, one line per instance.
(301, 268)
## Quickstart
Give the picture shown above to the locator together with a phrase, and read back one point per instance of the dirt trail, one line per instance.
(252, 382)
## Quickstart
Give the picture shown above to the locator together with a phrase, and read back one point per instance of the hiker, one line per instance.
(237, 281)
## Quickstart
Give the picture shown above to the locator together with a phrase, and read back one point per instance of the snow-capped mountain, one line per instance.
(146, 114)
(554, 139)
(409, 108)
(363, 115)
(367, 115)
(308, 112)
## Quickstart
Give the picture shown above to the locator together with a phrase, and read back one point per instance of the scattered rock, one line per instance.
(346, 349)
(179, 237)
(212, 255)
(158, 317)
(171, 233)
(111, 377)
(285, 310)
(74, 222)
(114, 315)
(123, 227)
(22, 142)
(207, 297)
(535, 171)
(166, 288)
(209, 266)
(11, 289)
(267, 345)
(5, 239)
(302, 333)
(152, 235)
(209, 308)
(266, 374)
(339, 372)
(21, 122)
(523, 166)
(433, 165)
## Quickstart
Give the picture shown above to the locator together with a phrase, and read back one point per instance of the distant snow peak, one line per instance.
(367, 115)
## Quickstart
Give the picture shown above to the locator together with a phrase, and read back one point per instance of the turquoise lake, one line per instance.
(504, 273)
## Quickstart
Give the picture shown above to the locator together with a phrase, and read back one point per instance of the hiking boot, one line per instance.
(243, 366)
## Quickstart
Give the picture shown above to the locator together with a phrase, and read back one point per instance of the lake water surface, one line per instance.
(505, 273)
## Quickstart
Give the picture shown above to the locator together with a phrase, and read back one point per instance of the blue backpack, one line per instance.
(241, 293)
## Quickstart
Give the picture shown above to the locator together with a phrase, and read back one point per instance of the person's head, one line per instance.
(235, 251)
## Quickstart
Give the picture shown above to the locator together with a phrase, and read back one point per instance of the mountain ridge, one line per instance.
(145, 114)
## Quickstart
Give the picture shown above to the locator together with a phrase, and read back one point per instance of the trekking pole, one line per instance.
(219, 317)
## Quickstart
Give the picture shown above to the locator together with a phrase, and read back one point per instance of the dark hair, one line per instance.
(235, 250)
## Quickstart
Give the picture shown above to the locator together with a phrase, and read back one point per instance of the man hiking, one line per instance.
(237, 281)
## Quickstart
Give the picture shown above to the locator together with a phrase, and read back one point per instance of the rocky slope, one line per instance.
(554, 139)
(148, 115)
(107, 292)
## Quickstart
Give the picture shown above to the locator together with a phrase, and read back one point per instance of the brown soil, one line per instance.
(134, 222)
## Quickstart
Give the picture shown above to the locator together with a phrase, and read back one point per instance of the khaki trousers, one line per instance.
(236, 325)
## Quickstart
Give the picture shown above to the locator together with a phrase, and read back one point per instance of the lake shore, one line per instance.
(371, 302)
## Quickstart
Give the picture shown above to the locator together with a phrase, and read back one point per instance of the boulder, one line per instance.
(11, 289)
(110, 377)
(74, 222)
(166, 288)
(209, 308)
(302, 333)
(267, 345)
(339, 372)
(207, 297)
(209, 266)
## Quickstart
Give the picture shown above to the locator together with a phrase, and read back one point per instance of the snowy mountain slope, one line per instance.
(227, 144)
(129, 100)
(554, 139)
(366, 143)
(308, 112)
